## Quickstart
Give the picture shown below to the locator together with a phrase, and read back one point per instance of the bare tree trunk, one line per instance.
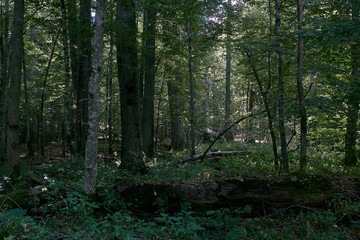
(284, 154)
(268, 110)
(302, 110)
(353, 98)
(131, 151)
(109, 79)
(17, 53)
(27, 114)
(149, 90)
(42, 100)
(178, 136)
(228, 135)
(67, 141)
(94, 104)
(4, 51)
(191, 83)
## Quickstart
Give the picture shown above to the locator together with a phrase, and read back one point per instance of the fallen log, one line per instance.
(260, 192)
(210, 154)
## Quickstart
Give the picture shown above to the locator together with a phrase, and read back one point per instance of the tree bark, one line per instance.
(131, 151)
(67, 141)
(302, 109)
(17, 53)
(4, 51)
(284, 154)
(191, 80)
(91, 150)
(84, 70)
(149, 90)
(109, 80)
(353, 96)
(178, 136)
(41, 137)
(28, 138)
(228, 135)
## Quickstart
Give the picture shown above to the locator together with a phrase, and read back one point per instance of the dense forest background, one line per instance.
(265, 87)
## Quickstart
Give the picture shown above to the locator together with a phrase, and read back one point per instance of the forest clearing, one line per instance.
(179, 119)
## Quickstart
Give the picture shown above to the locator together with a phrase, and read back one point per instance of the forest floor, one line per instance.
(56, 207)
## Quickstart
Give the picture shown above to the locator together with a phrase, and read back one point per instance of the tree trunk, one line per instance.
(4, 51)
(191, 82)
(109, 80)
(228, 135)
(75, 69)
(94, 104)
(17, 53)
(67, 141)
(178, 136)
(149, 90)
(302, 109)
(261, 193)
(268, 110)
(28, 137)
(84, 70)
(41, 137)
(284, 154)
(353, 97)
(131, 151)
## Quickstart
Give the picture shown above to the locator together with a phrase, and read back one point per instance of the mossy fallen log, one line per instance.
(260, 192)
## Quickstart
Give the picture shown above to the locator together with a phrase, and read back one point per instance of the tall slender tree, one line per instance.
(188, 12)
(228, 70)
(4, 51)
(149, 90)
(353, 94)
(94, 101)
(126, 47)
(283, 143)
(300, 70)
(16, 60)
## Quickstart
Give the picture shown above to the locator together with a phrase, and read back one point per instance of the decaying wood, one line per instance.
(259, 192)
(210, 154)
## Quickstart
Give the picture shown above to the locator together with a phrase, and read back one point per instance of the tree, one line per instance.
(16, 60)
(188, 12)
(283, 143)
(4, 51)
(302, 109)
(228, 70)
(353, 95)
(126, 53)
(149, 90)
(91, 150)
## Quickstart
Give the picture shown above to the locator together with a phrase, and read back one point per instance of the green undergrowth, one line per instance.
(63, 211)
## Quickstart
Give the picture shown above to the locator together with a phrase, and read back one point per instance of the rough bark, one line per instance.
(228, 135)
(353, 97)
(41, 137)
(191, 83)
(67, 141)
(178, 137)
(302, 109)
(17, 53)
(281, 112)
(131, 150)
(149, 89)
(4, 51)
(84, 70)
(28, 137)
(109, 80)
(91, 150)
(262, 193)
